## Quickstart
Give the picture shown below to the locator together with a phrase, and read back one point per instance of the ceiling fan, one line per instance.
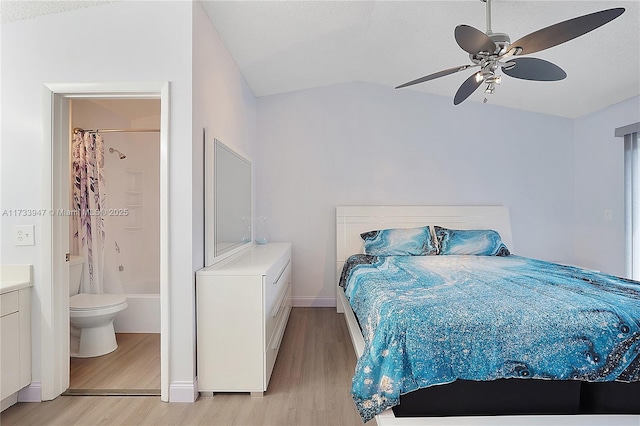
(490, 51)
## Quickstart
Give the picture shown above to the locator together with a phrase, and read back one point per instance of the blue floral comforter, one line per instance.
(429, 320)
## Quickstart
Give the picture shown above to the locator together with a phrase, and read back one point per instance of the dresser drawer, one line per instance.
(275, 282)
(273, 344)
(275, 275)
(9, 303)
(282, 299)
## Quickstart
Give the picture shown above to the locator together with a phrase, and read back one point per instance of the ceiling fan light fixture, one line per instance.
(494, 80)
(491, 87)
(479, 77)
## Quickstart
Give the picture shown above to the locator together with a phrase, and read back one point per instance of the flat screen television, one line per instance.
(228, 201)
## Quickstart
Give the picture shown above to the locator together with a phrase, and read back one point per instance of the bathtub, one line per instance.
(141, 316)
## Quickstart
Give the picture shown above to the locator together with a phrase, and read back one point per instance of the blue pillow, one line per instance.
(481, 242)
(399, 242)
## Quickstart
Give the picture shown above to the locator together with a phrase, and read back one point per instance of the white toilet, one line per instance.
(91, 316)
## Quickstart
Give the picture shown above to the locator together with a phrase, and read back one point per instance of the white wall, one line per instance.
(121, 41)
(599, 182)
(366, 144)
(127, 41)
(144, 149)
(223, 104)
(226, 107)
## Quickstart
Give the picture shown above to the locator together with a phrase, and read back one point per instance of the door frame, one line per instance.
(54, 294)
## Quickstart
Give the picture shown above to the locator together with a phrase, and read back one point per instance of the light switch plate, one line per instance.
(23, 235)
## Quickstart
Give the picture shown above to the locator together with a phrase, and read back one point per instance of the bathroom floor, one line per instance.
(132, 368)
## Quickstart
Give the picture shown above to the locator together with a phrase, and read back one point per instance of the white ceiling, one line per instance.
(283, 46)
(14, 10)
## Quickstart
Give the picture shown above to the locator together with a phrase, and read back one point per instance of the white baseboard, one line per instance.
(183, 391)
(31, 393)
(313, 302)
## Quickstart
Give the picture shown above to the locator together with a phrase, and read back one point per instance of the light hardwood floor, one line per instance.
(309, 386)
(134, 366)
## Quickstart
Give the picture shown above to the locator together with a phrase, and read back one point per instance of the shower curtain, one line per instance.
(89, 204)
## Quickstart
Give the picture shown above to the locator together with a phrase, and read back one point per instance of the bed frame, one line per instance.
(351, 221)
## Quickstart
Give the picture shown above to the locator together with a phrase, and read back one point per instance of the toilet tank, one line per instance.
(76, 263)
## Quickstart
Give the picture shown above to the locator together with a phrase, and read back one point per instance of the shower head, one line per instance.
(121, 155)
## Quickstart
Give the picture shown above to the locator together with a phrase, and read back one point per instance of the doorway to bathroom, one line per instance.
(118, 141)
(54, 338)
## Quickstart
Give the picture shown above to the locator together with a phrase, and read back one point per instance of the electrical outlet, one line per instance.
(23, 235)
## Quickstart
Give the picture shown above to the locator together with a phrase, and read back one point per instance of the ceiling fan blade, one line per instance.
(467, 88)
(473, 40)
(435, 75)
(564, 31)
(533, 69)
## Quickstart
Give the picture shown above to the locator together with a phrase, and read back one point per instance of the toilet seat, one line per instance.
(87, 302)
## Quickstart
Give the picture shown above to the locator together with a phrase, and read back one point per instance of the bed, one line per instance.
(479, 389)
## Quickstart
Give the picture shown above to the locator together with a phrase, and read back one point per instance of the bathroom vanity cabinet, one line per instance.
(15, 331)
(243, 305)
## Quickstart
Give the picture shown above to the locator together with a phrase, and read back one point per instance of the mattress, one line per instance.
(432, 320)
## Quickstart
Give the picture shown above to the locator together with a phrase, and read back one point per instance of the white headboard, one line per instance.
(351, 221)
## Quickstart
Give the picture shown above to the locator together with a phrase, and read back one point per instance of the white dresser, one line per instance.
(243, 305)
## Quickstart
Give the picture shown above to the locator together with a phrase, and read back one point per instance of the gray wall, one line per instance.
(599, 182)
(360, 143)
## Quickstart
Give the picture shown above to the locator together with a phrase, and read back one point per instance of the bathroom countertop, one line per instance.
(15, 277)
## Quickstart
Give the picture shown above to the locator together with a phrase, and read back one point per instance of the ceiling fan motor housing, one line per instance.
(502, 41)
